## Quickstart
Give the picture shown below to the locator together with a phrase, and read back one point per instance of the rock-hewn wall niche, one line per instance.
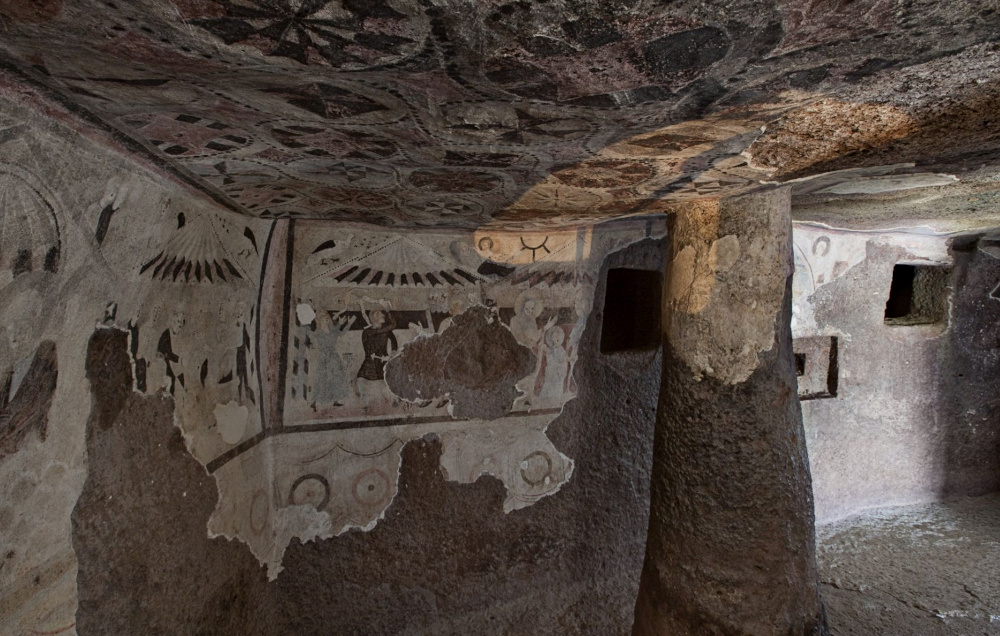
(912, 416)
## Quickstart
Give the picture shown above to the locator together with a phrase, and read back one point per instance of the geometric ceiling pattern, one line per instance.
(421, 113)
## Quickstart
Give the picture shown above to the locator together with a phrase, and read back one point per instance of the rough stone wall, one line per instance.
(970, 370)
(447, 560)
(147, 564)
(915, 415)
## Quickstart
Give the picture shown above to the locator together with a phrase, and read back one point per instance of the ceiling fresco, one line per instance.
(444, 113)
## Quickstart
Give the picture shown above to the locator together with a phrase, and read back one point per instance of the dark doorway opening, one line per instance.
(631, 310)
(918, 295)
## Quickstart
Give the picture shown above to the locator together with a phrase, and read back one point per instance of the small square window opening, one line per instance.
(631, 310)
(918, 295)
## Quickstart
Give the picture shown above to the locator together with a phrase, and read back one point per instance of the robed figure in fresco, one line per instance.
(331, 381)
(375, 340)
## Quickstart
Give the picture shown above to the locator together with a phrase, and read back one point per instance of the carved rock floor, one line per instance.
(923, 570)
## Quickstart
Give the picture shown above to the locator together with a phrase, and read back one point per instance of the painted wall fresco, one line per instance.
(823, 255)
(293, 352)
(388, 337)
(88, 242)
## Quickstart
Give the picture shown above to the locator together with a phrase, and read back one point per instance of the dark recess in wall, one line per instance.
(631, 310)
(816, 367)
(800, 364)
(918, 295)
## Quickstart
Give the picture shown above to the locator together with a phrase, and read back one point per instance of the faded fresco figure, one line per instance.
(243, 361)
(436, 315)
(457, 305)
(379, 344)
(233, 368)
(329, 377)
(553, 372)
(165, 351)
(524, 325)
(582, 306)
(301, 343)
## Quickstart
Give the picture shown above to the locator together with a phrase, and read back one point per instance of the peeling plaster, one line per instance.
(91, 236)
(474, 364)
(370, 326)
(825, 254)
(727, 290)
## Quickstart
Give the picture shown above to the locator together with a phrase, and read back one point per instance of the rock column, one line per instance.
(731, 546)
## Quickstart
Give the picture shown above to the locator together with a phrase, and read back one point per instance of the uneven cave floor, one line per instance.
(917, 570)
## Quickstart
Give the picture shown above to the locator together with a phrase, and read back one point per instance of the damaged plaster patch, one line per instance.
(727, 282)
(231, 419)
(469, 337)
(475, 363)
(724, 253)
(826, 254)
(538, 470)
(305, 314)
(301, 522)
(71, 269)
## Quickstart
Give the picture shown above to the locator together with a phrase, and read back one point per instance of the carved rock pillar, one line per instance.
(731, 546)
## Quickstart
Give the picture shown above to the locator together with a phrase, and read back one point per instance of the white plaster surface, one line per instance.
(58, 189)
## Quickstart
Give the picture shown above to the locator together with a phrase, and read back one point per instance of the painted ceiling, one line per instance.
(461, 114)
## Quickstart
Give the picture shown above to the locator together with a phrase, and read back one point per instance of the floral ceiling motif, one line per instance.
(458, 113)
(351, 35)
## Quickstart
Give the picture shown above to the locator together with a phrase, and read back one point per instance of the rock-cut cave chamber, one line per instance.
(486, 317)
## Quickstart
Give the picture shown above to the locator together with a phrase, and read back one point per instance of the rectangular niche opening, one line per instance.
(918, 295)
(631, 310)
(800, 364)
(816, 367)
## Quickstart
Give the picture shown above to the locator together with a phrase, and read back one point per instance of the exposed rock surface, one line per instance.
(146, 564)
(475, 363)
(927, 569)
(914, 418)
(726, 276)
(731, 546)
(456, 113)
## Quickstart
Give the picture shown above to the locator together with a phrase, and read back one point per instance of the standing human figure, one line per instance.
(376, 339)
(329, 379)
(550, 386)
(524, 324)
(528, 307)
(165, 351)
